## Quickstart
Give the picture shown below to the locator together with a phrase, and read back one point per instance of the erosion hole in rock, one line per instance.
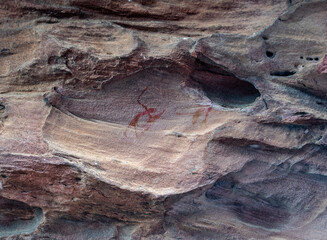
(282, 73)
(2, 108)
(18, 218)
(270, 54)
(225, 89)
(5, 52)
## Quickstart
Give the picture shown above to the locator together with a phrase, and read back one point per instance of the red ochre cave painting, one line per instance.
(206, 109)
(147, 112)
(199, 112)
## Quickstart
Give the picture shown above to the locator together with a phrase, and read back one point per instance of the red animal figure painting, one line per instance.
(147, 112)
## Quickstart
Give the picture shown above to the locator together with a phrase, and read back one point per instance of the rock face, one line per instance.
(174, 119)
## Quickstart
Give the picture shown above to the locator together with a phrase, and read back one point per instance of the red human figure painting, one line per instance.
(134, 123)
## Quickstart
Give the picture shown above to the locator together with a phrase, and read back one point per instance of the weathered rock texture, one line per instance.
(172, 119)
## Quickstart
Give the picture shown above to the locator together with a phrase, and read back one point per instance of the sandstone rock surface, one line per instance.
(173, 119)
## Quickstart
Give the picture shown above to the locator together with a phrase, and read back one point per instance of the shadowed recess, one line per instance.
(142, 96)
(18, 218)
(283, 74)
(2, 109)
(224, 89)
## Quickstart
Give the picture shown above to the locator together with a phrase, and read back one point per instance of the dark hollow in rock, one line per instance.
(248, 208)
(283, 73)
(2, 109)
(18, 218)
(258, 212)
(13, 210)
(225, 89)
(56, 60)
(5, 52)
(270, 54)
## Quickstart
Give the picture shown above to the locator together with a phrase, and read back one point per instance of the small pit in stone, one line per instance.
(225, 89)
(270, 54)
(5, 52)
(2, 108)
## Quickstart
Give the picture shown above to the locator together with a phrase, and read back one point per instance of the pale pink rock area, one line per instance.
(171, 119)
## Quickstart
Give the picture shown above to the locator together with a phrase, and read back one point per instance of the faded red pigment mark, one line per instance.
(148, 111)
(322, 67)
(199, 112)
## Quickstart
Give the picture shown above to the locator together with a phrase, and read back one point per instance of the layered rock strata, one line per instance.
(147, 119)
